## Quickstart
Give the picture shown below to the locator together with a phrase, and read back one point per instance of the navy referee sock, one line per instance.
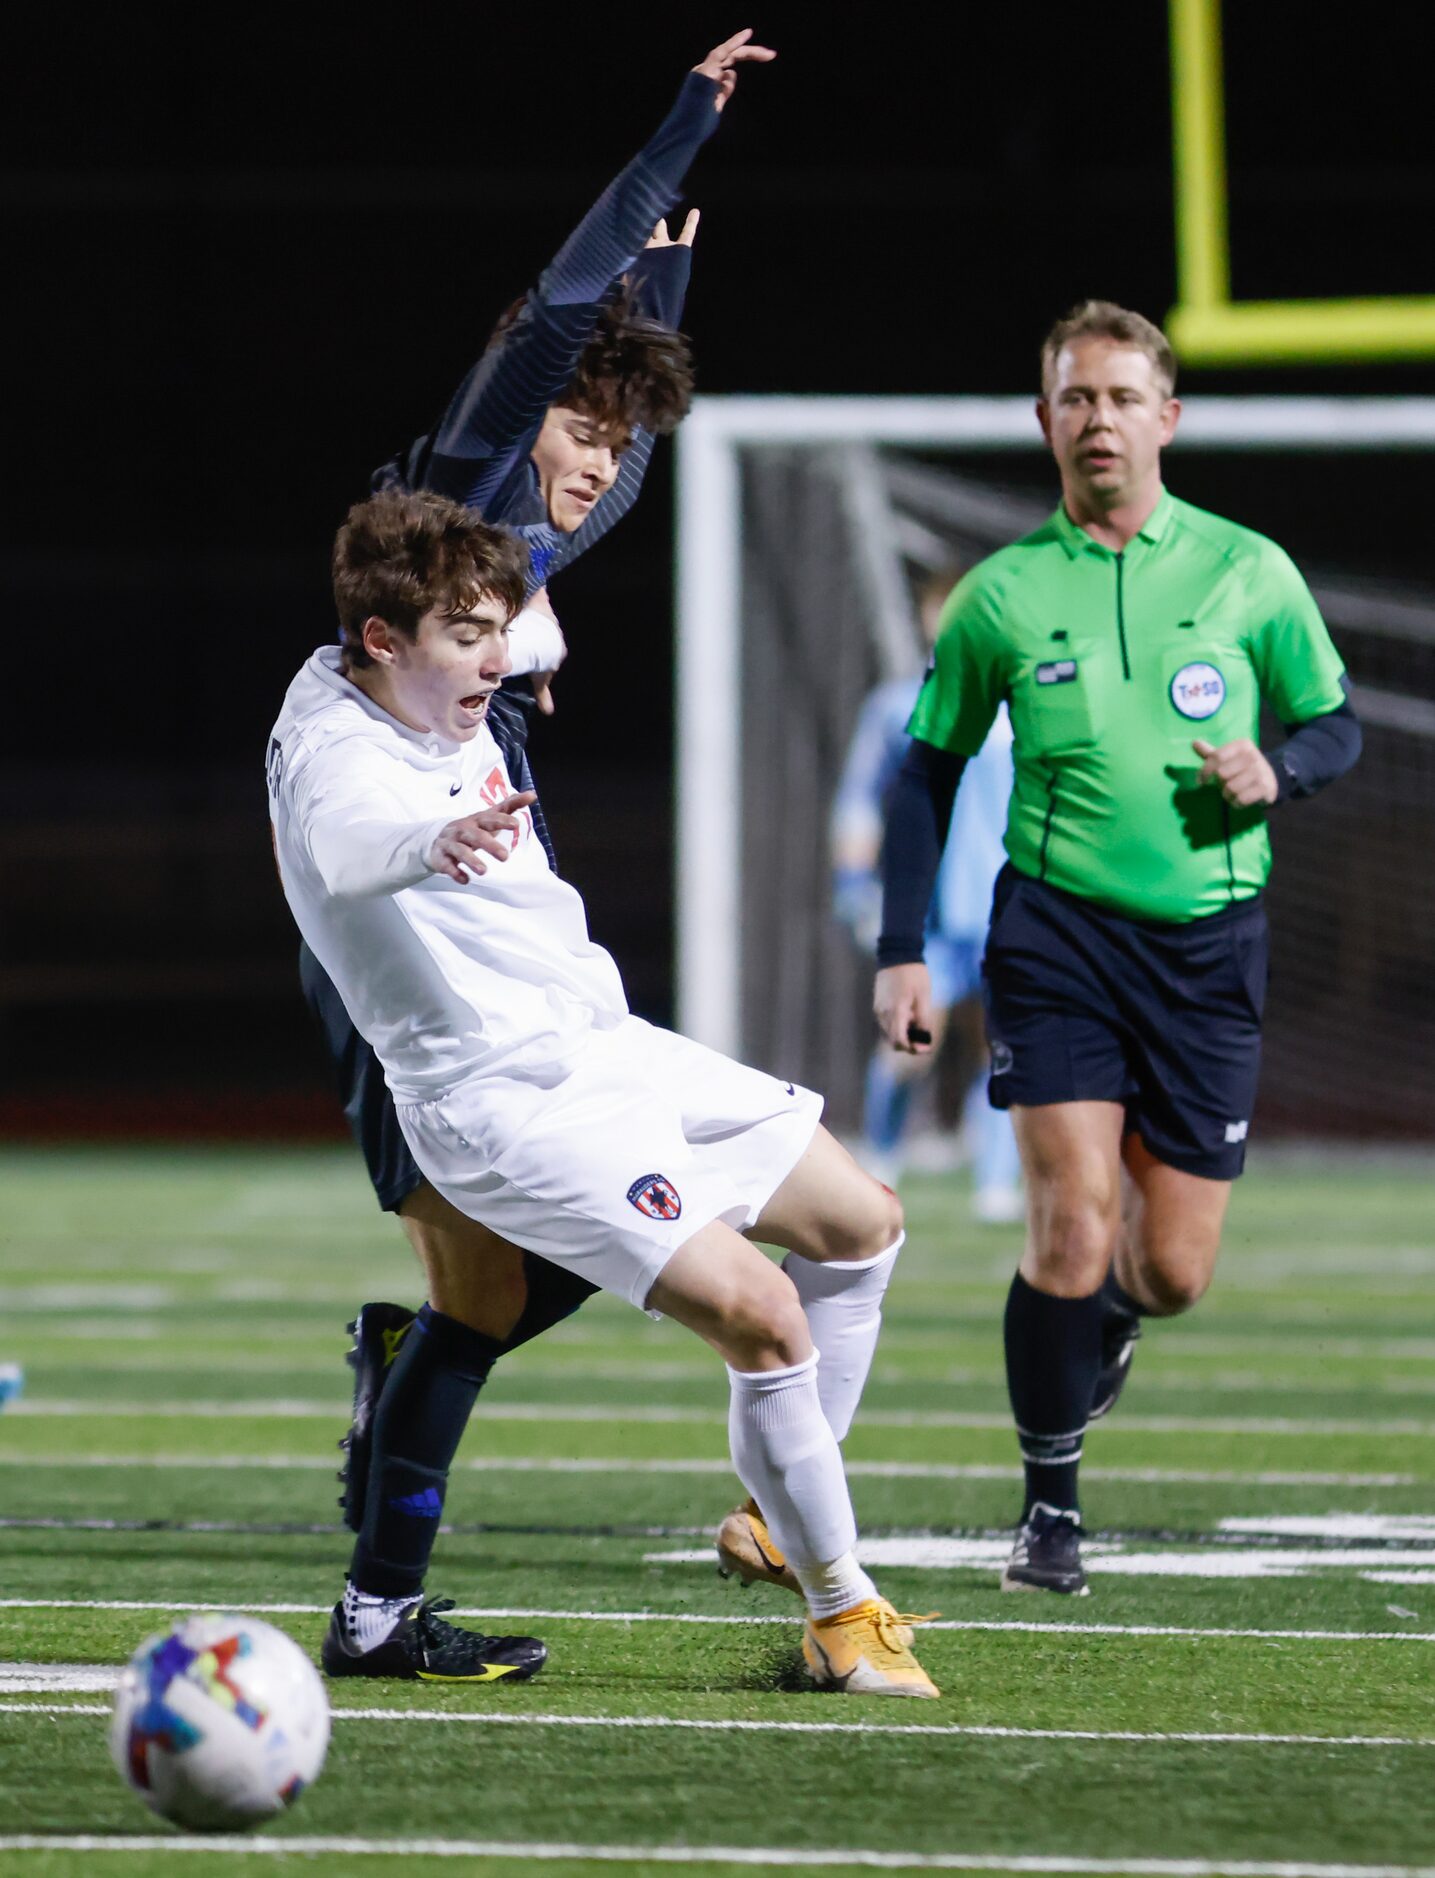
(1053, 1356)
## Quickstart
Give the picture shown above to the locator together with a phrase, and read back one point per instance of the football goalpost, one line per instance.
(802, 524)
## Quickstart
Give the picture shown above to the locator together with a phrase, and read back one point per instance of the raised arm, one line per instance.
(659, 280)
(502, 400)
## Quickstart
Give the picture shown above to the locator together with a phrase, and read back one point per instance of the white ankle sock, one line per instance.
(788, 1459)
(843, 1306)
(371, 1620)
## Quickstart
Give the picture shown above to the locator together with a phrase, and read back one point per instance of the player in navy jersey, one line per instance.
(549, 433)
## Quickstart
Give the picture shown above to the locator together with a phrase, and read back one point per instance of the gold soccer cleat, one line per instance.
(747, 1550)
(865, 1651)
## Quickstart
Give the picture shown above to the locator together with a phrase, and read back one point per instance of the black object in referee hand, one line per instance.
(918, 1033)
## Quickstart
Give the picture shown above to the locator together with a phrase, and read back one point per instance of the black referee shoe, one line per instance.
(1119, 1333)
(1047, 1554)
(378, 1330)
(423, 1648)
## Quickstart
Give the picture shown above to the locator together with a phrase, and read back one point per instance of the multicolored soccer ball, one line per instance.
(220, 1724)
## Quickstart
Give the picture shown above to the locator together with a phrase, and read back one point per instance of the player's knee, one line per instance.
(875, 1224)
(1171, 1291)
(862, 1223)
(1072, 1240)
(761, 1325)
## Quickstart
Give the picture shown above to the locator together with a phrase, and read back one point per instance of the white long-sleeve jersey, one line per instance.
(446, 981)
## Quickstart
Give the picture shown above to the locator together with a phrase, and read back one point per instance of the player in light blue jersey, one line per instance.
(956, 924)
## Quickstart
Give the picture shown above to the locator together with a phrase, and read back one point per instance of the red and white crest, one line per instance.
(656, 1196)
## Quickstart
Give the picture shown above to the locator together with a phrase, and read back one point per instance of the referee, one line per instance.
(1134, 638)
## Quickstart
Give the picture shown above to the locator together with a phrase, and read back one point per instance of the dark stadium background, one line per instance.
(247, 253)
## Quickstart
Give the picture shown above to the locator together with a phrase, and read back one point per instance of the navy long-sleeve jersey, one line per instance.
(479, 451)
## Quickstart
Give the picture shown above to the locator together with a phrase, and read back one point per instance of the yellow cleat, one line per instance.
(865, 1651)
(747, 1550)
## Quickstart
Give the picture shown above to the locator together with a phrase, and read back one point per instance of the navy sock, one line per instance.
(422, 1413)
(1053, 1354)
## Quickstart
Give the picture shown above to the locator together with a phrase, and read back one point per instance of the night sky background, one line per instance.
(248, 254)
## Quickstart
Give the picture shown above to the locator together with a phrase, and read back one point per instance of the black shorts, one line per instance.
(368, 1106)
(1084, 1005)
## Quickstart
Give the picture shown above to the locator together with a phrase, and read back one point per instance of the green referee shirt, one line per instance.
(1112, 664)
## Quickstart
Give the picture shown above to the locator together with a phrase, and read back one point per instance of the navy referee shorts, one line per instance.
(1086, 1005)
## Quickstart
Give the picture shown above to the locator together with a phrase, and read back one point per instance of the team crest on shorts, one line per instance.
(1198, 690)
(656, 1196)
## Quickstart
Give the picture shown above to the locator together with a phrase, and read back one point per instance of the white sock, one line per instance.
(843, 1307)
(787, 1457)
(371, 1620)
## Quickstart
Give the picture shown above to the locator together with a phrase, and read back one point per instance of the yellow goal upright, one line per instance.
(1206, 326)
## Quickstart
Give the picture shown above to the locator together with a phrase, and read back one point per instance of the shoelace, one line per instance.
(898, 1622)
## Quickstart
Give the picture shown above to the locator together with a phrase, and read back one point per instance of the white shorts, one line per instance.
(649, 1138)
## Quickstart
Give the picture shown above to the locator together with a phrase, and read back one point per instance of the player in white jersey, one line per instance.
(537, 1105)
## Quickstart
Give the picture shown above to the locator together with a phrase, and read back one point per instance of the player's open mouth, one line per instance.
(477, 704)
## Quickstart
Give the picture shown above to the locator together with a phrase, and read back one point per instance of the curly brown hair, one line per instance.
(634, 373)
(399, 556)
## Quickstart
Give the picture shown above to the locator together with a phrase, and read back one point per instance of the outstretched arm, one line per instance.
(504, 396)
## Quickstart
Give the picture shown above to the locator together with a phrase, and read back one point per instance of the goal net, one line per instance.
(805, 526)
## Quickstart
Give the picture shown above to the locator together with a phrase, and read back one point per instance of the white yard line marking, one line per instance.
(688, 1724)
(302, 1408)
(760, 1856)
(861, 1470)
(57, 1678)
(1339, 1525)
(946, 1554)
(510, 1613)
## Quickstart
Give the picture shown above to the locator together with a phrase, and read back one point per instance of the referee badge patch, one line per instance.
(656, 1196)
(1198, 690)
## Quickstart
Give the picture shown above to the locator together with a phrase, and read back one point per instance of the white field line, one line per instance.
(948, 1554)
(868, 1470)
(688, 1724)
(300, 1408)
(763, 1857)
(1419, 1526)
(509, 1613)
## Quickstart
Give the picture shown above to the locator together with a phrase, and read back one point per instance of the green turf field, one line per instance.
(1251, 1684)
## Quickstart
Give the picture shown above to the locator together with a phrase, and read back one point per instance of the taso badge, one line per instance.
(1198, 690)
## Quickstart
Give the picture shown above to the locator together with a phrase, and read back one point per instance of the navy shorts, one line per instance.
(368, 1106)
(1085, 1005)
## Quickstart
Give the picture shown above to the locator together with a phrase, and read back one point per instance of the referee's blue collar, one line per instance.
(1076, 540)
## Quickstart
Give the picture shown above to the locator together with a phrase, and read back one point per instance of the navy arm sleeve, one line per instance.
(919, 817)
(1316, 752)
(660, 280)
(501, 402)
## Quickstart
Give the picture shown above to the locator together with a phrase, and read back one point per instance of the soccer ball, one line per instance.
(220, 1724)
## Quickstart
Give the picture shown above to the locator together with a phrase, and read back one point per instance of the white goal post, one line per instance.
(709, 571)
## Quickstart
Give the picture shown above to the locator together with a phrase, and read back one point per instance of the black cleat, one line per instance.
(1119, 1332)
(378, 1331)
(1047, 1554)
(423, 1648)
